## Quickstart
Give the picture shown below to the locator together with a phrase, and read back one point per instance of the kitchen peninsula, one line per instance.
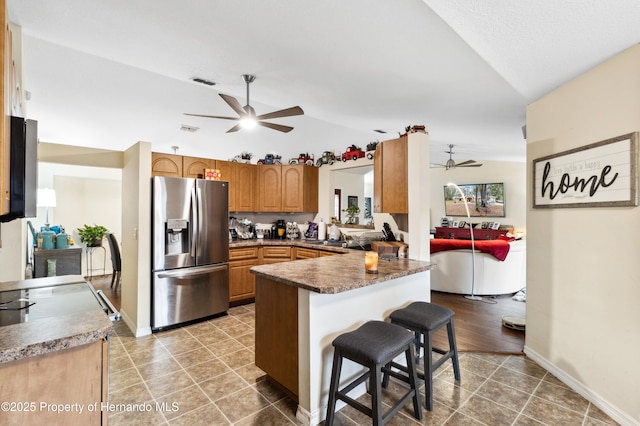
(53, 351)
(301, 306)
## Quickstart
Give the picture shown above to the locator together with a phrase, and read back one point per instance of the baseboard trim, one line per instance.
(137, 332)
(622, 418)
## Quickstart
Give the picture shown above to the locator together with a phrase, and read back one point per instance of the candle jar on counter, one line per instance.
(371, 262)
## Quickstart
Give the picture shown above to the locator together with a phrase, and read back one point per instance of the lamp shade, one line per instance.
(46, 197)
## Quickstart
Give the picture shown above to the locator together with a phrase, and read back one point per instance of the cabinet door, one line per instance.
(166, 165)
(193, 167)
(292, 188)
(5, 148)
(228, 172)
(299, 188)
(305, 253)
(390, 177)
(269, 188)
(242, 283)
(246, 180)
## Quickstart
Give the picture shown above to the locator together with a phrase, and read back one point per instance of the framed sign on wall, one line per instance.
(602, 174)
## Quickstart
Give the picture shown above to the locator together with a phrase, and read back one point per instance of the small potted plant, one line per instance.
(92, 235)
(352, 212)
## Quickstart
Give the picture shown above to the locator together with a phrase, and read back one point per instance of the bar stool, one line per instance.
(374, 345)
(424, 319)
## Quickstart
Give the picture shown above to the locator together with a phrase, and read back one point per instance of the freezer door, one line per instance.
(188, 294)
(173, 223)
(213, 221)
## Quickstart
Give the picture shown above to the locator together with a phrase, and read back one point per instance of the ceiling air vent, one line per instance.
(186, 128)
(203, 81)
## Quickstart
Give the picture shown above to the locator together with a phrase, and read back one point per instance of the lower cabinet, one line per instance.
(77, 375)
(242, 283)
(275, 254)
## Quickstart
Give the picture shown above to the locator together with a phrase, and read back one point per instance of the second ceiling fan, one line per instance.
(450, 164)
(247, 115)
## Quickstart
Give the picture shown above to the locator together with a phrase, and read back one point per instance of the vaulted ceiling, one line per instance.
(111, 73)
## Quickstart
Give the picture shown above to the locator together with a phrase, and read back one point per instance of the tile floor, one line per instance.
(204, 374)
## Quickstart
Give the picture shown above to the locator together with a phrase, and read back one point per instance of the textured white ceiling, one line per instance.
(109, 74)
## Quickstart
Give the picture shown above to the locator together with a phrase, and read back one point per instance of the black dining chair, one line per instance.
(116, 261)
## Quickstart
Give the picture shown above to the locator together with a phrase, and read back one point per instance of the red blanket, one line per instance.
(497, 248)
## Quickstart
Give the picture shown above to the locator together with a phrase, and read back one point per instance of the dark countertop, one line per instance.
(333, 274)
(39, 337)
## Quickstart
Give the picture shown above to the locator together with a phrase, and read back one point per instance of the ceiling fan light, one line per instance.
(248, 122)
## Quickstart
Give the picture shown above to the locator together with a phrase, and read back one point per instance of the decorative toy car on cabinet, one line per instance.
(245, 157)
(353, 153)
(270, 159)
(303, 158)
(328, 157)
(371, 148)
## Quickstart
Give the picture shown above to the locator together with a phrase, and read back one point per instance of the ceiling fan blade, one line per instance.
(469, 165)
(433, 165)
(234, 104)
(278, 127)
(211, 116)
(296, 110)
(465, 163)
(235, 128)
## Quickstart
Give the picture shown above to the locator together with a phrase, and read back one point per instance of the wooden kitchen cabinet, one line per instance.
(305, 253)
(5, 140)
(228, 172)
(166, 165)
(269, 188)
(299, 188)
(275, 254)
(390, 177)
(77, 375)
(246, 179)
(242, 283)
(193, 167)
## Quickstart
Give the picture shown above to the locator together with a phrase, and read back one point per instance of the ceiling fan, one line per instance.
(450, 164)
(247, 115)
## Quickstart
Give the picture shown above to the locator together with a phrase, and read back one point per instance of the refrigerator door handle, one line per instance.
(200, 220)
(192, 272)
(195, 220)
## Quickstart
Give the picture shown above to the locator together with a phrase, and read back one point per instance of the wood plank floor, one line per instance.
(478, 324)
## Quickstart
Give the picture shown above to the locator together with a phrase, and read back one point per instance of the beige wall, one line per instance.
(582, 275)
(136, 238)
(512, 174)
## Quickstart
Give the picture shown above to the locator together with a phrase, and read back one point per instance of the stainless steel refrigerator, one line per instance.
(190, 276)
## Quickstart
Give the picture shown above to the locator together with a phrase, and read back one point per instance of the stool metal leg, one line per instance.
(376, 394)
(333, 387)
(413, 383)
(454, 348)
(428, 371)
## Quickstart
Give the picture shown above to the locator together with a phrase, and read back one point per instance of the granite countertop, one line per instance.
(336, 274)
(39, 337)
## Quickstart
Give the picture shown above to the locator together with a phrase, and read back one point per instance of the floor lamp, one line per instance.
(473, 246)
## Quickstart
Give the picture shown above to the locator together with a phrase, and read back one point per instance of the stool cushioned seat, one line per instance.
(423, 315)
(375, 342)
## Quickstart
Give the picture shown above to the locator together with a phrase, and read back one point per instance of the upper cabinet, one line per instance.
(299, 188)
(245, 183)
(270, 188)
(5, 148)
(390, 177)
(252, 188)
(166, 165)
(193, 167)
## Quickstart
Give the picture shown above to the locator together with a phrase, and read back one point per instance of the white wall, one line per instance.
(582, 274)
(512, 174)
(84, 195)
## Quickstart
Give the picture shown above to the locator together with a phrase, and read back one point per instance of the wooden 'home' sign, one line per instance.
(603, 174)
